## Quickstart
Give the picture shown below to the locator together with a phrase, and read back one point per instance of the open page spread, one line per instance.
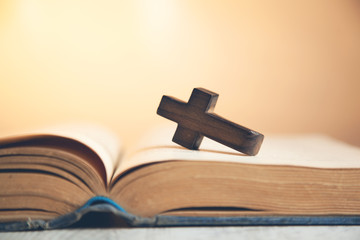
(309, 174)
(316, 151)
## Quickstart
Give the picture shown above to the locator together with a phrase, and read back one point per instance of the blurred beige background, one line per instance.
(279, 66)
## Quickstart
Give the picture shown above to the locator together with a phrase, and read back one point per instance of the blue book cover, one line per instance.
(104, 212)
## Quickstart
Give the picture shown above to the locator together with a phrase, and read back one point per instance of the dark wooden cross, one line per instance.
(196, 119)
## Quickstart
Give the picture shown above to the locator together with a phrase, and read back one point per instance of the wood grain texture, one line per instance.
(218, 233)
(196, 119)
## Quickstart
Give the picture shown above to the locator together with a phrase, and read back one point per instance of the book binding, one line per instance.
(103, 212)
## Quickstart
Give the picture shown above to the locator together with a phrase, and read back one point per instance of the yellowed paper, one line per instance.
(316, 151)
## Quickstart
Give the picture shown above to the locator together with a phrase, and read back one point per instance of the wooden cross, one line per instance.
(196, 119)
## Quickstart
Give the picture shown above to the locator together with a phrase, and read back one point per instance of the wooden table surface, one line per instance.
(218, 233)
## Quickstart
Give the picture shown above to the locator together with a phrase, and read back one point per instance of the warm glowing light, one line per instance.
(278, 66)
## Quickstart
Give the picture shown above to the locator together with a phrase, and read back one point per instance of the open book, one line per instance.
(51, 173)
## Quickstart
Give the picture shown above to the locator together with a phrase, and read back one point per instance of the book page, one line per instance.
(101, 140)
(315, 151)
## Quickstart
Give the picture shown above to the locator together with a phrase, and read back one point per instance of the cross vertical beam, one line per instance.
(196, 119)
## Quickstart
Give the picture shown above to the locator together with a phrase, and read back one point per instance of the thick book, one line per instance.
(76, 174)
